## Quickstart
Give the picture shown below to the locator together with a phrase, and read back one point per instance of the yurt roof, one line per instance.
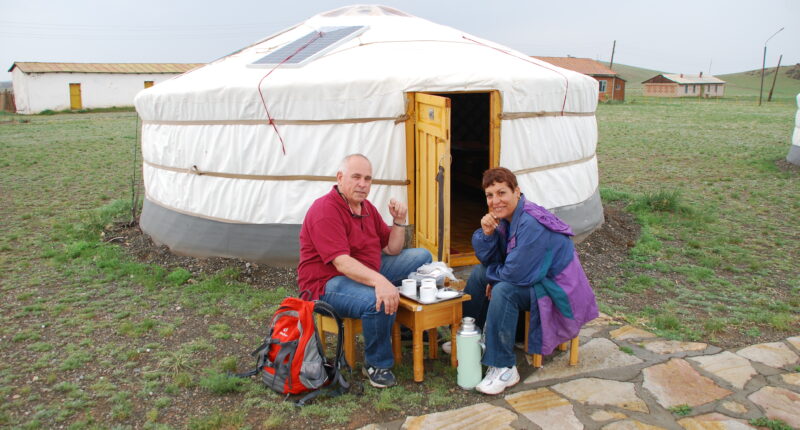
(364, 76)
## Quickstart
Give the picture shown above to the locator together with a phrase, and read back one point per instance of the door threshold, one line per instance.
(465, 259)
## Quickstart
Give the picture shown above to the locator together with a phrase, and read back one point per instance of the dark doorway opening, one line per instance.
(469, 147)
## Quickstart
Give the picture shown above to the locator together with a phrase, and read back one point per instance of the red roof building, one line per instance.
(611, 85)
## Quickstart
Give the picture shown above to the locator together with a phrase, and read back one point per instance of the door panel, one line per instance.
(75, 97)
(432, 149)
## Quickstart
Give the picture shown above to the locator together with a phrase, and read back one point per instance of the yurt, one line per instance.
(235, 152)
(794, 150)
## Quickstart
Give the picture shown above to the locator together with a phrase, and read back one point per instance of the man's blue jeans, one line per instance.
(354, 300)
(500, 315)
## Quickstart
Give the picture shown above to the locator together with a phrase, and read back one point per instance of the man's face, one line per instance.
(355, 181)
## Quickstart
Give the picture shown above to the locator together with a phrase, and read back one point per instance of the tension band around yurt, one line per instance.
(195, 171)
(521, 115)
(396, 119)
(554, 166)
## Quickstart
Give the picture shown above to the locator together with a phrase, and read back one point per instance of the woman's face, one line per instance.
(502, 200)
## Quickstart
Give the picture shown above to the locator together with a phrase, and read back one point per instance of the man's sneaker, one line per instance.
(498, 379)
(380, 378)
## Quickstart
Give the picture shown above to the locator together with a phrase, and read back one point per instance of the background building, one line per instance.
(680, 85)
(611, 85)
(60, 86)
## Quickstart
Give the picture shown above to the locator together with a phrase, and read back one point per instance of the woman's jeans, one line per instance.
(355, 300)
(497, 316)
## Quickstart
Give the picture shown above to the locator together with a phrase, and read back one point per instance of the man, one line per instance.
(351, 259)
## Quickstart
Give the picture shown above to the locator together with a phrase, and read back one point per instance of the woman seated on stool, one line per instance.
(528, 262)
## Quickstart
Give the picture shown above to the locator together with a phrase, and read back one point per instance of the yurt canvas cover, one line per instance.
(235, 152)
(794, 150)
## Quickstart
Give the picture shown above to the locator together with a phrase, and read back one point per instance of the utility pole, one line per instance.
(611, 65)
(777, 69)
(613, 48)
(763, 66)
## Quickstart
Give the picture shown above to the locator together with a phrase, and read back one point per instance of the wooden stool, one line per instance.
(537, 358)
(352, 327)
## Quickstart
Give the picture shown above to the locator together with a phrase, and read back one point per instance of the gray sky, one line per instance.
(685, 36)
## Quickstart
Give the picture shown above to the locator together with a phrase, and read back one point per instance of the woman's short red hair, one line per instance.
(499, 175)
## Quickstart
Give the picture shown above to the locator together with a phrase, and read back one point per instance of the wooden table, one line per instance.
(418, 318)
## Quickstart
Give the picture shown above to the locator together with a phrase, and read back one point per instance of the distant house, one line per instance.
(681, 85)
(612, 86)
(60, 86)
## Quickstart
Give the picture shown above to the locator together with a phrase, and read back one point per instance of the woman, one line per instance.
(528, 262)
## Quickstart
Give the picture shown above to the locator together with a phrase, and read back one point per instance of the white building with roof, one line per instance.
(682, 85)
(61, 86)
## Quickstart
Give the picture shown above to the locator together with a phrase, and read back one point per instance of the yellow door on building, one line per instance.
(148, 84)
(432, 174)
(75, 102)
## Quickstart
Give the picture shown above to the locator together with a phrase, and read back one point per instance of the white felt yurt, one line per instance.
(235, 152)
(794, 150)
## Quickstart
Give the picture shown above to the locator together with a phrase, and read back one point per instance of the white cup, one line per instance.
(428, 290)
(409, 287)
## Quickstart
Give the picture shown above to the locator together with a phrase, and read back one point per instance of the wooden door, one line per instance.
(432, 159)
(148, 84)
(75, 102)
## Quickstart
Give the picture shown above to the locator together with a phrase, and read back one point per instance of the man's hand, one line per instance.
(388, 295)
(488, 224)
(398, 210)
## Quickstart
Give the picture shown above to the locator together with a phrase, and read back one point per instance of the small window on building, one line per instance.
(686, 89)
(618, 86)
(602, 85)
(148, 84)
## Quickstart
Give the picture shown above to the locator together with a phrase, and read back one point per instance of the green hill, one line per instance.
(748, 83)
(743, 84)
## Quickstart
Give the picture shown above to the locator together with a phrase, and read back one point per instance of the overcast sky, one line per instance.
(684, 36)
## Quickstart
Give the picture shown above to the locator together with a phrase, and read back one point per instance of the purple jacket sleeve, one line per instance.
(528, 260)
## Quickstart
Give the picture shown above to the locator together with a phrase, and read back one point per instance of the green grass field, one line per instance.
(92, 339)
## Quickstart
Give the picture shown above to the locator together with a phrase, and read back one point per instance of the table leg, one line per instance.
(396, 347)
(419, 369)
(433, 343)
(457, 312)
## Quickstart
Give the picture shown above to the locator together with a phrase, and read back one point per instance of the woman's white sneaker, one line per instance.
(497, 379)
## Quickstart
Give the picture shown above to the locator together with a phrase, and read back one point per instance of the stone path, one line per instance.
(628, 378)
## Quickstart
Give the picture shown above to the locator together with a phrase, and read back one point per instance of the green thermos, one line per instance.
(469, 350)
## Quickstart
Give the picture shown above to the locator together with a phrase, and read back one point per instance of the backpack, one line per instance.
(291, 359)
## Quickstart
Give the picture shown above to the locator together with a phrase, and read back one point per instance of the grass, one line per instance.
(126, 344)
(700, 177)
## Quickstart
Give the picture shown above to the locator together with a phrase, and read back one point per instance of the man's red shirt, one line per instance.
(329, 230)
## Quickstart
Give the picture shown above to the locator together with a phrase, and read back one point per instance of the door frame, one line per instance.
(495, 121)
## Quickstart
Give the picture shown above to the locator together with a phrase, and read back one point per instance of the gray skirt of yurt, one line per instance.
(794, 155)
(277, 244)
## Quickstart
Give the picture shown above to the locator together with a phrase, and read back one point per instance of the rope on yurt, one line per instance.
(134, 185)
(260, 93)
(195, 171)
(566, 80)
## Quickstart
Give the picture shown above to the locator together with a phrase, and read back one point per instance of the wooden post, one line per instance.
(777, 69)
(610, 66)
(763, 63)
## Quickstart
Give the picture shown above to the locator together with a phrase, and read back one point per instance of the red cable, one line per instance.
(566, 90)
(264, 102)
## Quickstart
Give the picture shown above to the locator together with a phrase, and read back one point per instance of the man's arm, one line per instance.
(397, 237)
(385, 292)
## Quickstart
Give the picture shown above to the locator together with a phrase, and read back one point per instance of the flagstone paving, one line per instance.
(629, 379)
(732, 368)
